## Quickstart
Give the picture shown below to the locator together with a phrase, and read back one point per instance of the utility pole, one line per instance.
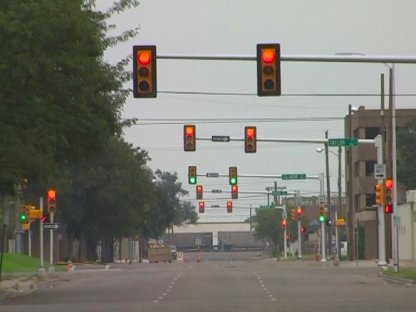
(328, 192)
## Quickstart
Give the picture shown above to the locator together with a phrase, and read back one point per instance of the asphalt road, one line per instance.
(221, 282)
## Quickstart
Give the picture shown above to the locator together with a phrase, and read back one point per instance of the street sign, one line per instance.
(279, 193)
(215, 206)
(343, 142)
(220, 138)
(213, 175)
(51, 226)
(296, 176)
(217, 191)
(266, 206)
(379, 171)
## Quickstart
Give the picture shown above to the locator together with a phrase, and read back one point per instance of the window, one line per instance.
(369, 167)
(372, 132)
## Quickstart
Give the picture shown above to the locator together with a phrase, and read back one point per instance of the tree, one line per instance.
(268, 226)
(406, 150)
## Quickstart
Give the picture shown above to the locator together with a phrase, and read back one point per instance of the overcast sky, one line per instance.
(232, 27)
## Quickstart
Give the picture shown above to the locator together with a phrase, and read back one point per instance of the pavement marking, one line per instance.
(268, 292)
(168, 289)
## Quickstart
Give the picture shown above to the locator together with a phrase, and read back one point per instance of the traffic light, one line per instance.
(388, 202)
(24, 214)
(328, 222)
(232, 174)
(51, 200)
(250, 139)
(293, 214)
(189, 139)
(284, 223)
(144, 72)
(192, 174)
(300, 212)
(322, 214)
(303, 229)
(201, 207)
(380, 194)
(234, 191)
(35, 213)
(199, 191)
(229, 206)
(268, 70)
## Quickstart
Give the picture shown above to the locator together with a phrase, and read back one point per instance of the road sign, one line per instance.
(343, 142)
(213, 175)
(379, 171)
(217, 191)
(215, 206)
(220, 138)
(296, 176)
(279, 193)
(266, 206)
(51, 226)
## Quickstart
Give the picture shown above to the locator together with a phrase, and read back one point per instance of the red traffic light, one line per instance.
(303, 229)
(199, 191)
(189, 138)
(234, 191)
(250, 139)
(300, 211)
(388, 208)
(268, 70)
(201, 207)
(144, 71)
(229, 206)
(268, 55)
(389, 184)
(284, 223)
(51, 200)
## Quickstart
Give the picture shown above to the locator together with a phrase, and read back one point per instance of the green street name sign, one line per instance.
(343, 142)
(279, 193)
(298, 176)
(266, 206)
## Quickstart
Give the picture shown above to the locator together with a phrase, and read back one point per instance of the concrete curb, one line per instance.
(404, 281)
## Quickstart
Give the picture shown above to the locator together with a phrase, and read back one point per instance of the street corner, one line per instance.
(17, 286)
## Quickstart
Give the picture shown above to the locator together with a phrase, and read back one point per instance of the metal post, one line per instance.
(351, 208)
(339, 202)
(299, 238)
(41, 269)
(394, 168)
(29, 242)
(323, 248)
(380, 212)
(328, 192)
(51, 267)
(3, 239)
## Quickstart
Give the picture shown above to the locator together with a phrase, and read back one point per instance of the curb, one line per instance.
(399, 280)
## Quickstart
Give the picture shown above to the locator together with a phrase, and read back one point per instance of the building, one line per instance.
(360, 181)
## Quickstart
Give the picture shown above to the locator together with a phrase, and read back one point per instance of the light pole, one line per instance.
(320, 150)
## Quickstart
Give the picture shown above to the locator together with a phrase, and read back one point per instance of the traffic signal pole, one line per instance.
(380, 209)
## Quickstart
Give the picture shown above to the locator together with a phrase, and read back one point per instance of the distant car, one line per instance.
(173, 252)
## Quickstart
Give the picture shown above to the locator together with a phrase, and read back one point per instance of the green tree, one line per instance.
(406, 155)
(268, 226)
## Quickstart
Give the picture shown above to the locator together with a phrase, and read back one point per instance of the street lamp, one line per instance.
(320, 150)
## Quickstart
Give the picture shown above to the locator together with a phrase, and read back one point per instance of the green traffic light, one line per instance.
(233, 181)
(192, 180)
(322, 218)
(23, 218)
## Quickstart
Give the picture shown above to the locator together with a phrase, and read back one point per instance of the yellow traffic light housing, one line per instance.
(380, 194)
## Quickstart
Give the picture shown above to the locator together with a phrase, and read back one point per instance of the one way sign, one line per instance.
(379, 171)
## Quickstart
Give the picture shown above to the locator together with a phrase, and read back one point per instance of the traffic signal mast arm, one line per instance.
(286, 140)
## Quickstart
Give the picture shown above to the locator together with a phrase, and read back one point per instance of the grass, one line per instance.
(16, 263)
(406, 273)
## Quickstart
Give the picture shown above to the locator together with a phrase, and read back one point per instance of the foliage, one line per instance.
(406, 150)
(268, 226)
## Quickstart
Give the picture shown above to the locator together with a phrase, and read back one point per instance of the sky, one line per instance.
(233, 28)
